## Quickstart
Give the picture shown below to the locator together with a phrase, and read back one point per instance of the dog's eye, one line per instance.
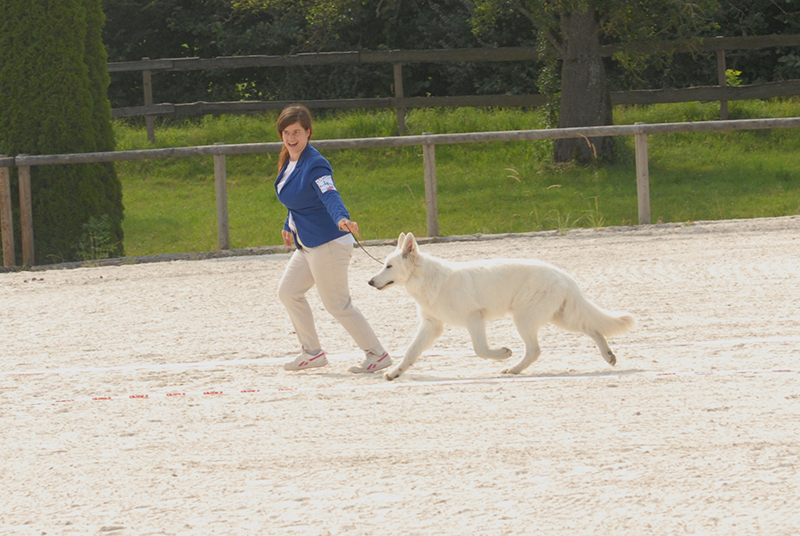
(388, 266)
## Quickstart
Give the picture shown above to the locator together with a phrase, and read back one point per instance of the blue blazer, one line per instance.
(311, 198)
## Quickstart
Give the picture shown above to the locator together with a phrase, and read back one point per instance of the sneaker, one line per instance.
(373, 363)
(306, 361)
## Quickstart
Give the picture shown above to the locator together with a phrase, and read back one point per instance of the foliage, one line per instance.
(733, 77)
(168, 28)
(97, 240)
(53, 100)
(618, 21)
(211, 28)
(762, 17)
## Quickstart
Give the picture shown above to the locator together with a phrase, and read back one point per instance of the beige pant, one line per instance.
(326, 266)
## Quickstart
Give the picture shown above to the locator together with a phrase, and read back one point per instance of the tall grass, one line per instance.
(482, 188)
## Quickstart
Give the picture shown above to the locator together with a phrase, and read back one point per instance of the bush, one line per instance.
(53, 84)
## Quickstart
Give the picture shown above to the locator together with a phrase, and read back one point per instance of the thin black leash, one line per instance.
(364, 250)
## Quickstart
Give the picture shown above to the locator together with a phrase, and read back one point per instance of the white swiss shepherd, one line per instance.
(469, 294)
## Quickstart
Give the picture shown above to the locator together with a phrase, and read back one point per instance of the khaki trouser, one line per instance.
(326, 266)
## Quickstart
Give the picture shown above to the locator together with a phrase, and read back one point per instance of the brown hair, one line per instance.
(295, 113)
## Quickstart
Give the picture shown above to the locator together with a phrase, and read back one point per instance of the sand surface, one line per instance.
(149, 399)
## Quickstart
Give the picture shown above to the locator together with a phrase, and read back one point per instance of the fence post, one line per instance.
(221, 182)
(26, 215)
(149, 120)
(722, 80)
(642, 178)
(398, 94)
(431, 202)
(6, 219)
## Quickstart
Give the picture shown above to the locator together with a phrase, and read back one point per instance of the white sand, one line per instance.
(573, 446)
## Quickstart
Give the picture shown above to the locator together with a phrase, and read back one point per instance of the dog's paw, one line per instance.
(611, 359)
(391, 375)
(509, 370)
(507, 352)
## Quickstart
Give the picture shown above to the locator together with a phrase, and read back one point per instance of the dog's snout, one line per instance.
(372, 282)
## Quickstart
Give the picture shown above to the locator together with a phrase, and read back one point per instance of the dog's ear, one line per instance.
(410, 245)
(400, 240)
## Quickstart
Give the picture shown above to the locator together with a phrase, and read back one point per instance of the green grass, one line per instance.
(482, 188)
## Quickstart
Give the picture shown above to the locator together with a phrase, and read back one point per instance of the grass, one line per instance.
(482, 188)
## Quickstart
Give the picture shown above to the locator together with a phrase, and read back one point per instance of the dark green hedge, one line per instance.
(53, 99)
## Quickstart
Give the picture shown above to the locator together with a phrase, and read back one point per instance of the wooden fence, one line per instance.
(219, 151)
(398, 58)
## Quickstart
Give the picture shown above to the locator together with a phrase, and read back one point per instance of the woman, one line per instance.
(319, 224)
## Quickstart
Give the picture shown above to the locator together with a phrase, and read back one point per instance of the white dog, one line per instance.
(469, 294)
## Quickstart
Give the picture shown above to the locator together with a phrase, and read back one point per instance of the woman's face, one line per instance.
(295, 138)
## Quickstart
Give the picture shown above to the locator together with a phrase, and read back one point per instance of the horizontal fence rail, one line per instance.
(640, 131)
(711, 44)
(407, 141)
(644, 96)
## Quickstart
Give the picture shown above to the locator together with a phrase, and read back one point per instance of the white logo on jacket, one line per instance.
(325, 184)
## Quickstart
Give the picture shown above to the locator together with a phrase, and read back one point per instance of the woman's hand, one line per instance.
(349, 226)
(288, 239)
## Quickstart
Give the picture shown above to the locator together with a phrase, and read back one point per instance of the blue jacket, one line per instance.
(312, 199)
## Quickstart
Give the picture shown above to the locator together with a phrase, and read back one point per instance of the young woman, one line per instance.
(319, 225)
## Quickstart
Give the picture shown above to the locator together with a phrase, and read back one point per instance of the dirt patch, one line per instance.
(149, 399)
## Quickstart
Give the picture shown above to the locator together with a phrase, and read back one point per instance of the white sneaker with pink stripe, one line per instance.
(372, 363)
(306, 361)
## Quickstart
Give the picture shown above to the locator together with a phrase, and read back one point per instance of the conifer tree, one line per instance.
(53, 83)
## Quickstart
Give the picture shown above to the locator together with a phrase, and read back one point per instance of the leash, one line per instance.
(364, 250)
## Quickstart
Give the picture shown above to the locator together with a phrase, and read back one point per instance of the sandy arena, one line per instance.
(150, 399)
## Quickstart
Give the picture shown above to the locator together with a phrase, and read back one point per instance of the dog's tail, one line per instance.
(581, 315)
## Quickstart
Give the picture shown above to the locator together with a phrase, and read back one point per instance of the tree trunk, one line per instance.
(585, 99)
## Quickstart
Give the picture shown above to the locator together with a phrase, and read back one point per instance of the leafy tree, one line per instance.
(53, 82)
(574, 30)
